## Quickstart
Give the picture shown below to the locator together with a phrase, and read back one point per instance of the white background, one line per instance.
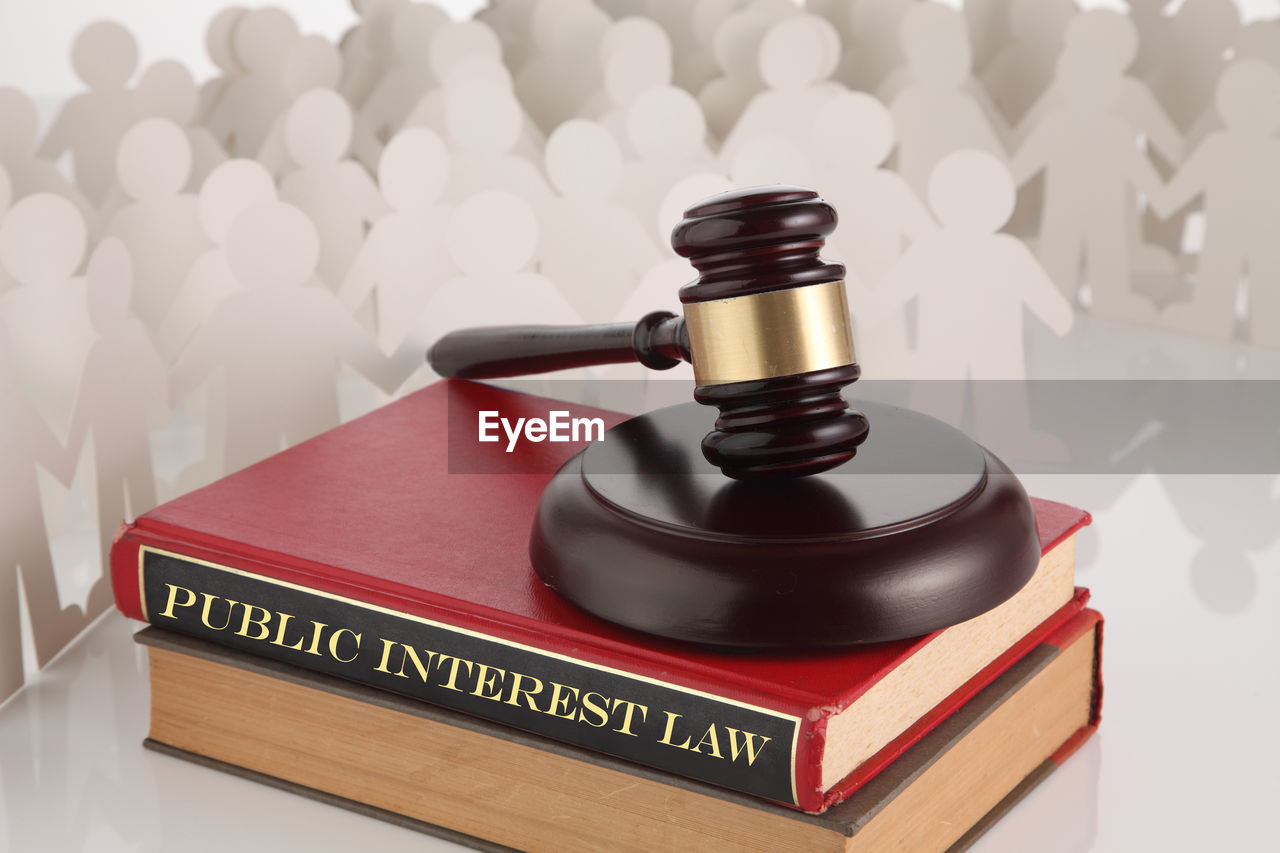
(1184, 760)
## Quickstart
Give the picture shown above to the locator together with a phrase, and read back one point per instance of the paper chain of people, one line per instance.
(227, 247)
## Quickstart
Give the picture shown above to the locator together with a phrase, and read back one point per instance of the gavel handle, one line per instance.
(658, 341)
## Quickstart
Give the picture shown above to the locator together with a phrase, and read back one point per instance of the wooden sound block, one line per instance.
(921, 530)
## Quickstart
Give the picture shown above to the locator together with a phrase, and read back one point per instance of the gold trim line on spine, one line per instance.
(765, 335)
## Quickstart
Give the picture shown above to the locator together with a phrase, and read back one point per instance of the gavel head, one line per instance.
(769, 333)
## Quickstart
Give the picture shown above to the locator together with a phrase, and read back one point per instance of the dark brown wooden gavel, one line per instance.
(766, 327)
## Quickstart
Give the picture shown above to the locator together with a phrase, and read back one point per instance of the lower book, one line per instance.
(493, 786)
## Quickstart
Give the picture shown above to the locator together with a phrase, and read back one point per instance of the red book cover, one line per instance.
(359, 553)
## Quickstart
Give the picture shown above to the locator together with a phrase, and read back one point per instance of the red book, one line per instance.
(360, 554)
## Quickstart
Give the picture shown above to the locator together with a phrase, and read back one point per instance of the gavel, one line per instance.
(766, 327)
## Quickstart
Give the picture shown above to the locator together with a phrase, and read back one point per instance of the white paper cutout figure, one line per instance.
(772, 158)
(218, 44)
(314, 63)
(1020, 72)
(736, 47)
(593, 247)
(839, 14)
(969, 277)
(309, 65)
(404, 258)
(875, 50)
(678, 19)
(880, 215)
(25, 442)
(932, 27)
(1200, 34)
(91, 124)
(1092, 168)
(491, 269)
(852, 137)
(463, 54)
(167, 90)
(42, 241)
(666, 129)
(1258, 40)
(485, 123)
(935, 112)
(28, 173)
(368, 48)
(972, 286)
(459, 40)
(1152, 26)
(6, 201)
(990, 27)
(797, 57)
(1237, 170)
(479, 67)
(563, 70)
(232, 188)
(472, 78)
(1110, 41)
(511, 21)
(694, 62)
(243, 116)
(411, 77)
(124, 380)
(635, 55)
(278, 343)
(336, 193)
(161, 225)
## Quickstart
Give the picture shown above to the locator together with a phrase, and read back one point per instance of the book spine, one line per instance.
(670, 727)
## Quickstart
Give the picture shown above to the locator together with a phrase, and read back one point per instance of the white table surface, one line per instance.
(1185, 759)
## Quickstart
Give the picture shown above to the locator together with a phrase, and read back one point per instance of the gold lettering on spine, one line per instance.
(333, 645)
(557, 700)
(597, 710)
(670, 731)
(711, 740)
(513, 698)
(173, 600)
(625, 728)
(411, 654)
(279, 640)
(408, 654)
(765, 335)
(485, 680)
(749, 742)
(592, 708)
(317, 632)
(387, 646)
(248, 620)
(208, 606)
(452, 682)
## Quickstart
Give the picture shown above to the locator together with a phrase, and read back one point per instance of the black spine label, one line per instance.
(683, 731)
